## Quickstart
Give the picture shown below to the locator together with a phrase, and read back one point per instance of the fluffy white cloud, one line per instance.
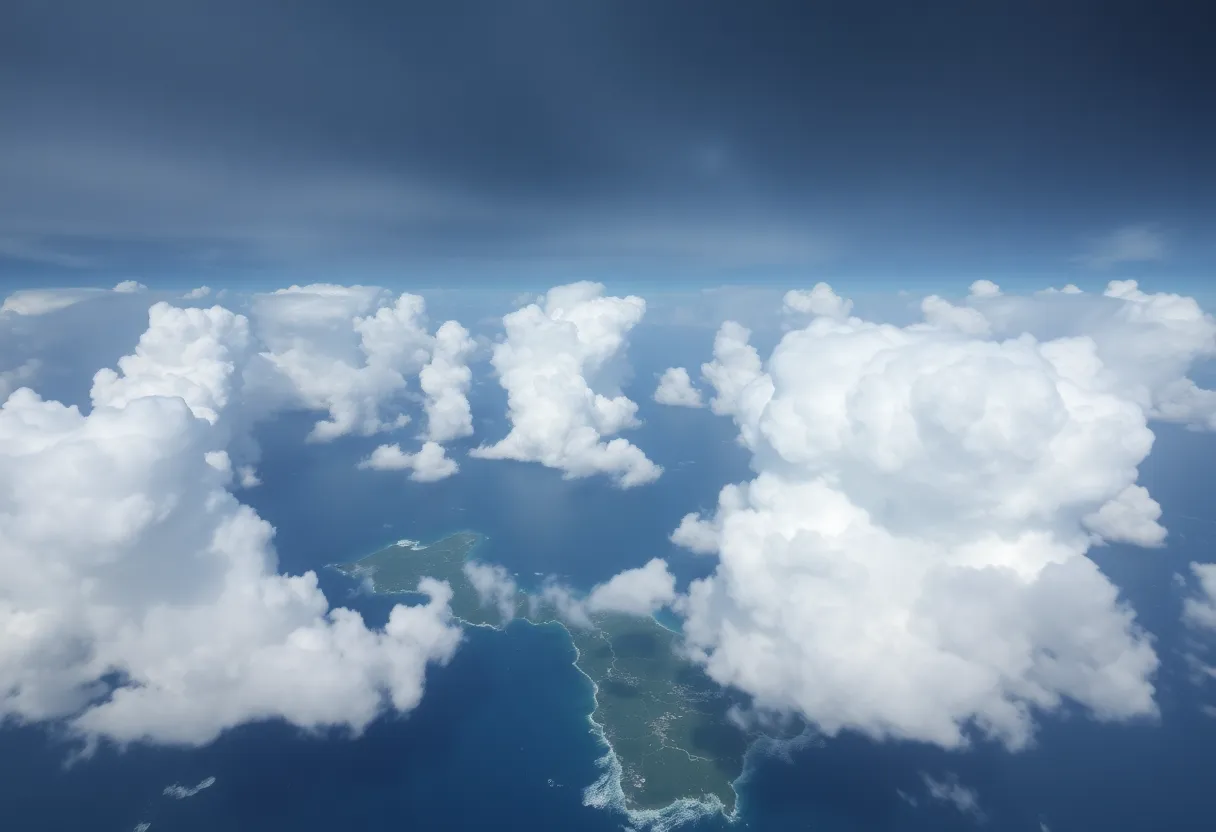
(186, 353)
(157, 613)
(547, 364)
(1130, 517)
(910, 560)
(1068, 289)
(349, 350)
(697, 534)
(735, 367)
(342, 352)
(641, 591)
(675, 388)
(1147, 343)
(495, 587)
(130, 287)
(988, 289)
(942, 314)
(821, 300)
(445, 381)
(197, 293)
(429, 464)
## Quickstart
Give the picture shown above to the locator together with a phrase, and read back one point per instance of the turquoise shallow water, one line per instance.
(501, 739)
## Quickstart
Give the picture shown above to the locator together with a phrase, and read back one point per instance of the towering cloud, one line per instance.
(157, 612)
(445, 381)
(548, 364)
(189, 354)
(910, 559)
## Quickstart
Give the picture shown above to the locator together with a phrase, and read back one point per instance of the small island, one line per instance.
(396, 570)
(665, 722)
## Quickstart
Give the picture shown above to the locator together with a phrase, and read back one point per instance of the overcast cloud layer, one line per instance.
(680, 138)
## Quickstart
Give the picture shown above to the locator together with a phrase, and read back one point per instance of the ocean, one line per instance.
(501, 739)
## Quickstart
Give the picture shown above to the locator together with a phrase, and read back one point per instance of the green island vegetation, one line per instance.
(664, 718)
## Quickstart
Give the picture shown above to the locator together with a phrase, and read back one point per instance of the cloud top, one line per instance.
(923, 503)
(548, 363)
(675, 389)
(158, 614)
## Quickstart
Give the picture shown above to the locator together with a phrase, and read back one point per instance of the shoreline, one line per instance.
(607, 791)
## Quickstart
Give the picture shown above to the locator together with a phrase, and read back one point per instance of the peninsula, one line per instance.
(664, 721)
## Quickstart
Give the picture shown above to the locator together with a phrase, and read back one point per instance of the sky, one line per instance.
(939, 269)
(530, 143)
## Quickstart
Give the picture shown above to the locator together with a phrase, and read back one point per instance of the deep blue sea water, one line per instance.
(501, 739)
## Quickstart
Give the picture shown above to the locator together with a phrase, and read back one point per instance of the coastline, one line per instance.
(607, 791)
(417, 546)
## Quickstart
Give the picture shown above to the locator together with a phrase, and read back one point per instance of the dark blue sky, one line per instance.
(710, 141)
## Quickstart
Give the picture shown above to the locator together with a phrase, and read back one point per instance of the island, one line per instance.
(396, 570)
(665, 724)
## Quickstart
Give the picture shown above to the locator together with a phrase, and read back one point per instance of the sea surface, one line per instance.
(501, 739)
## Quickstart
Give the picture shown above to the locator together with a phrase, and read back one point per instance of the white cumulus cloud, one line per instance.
(445, 381)
(924, 500)
(1147, 342)
(942, 314)
(157, 613)
(821, 301)
(547, 363)
(675, 388)
(429, 464)
(641, 591)
(735, 367)
(188, 353)
(350, 350)
(494, 586)
(987, 289)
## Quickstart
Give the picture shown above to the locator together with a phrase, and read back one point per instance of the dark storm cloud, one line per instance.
(227, 132)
